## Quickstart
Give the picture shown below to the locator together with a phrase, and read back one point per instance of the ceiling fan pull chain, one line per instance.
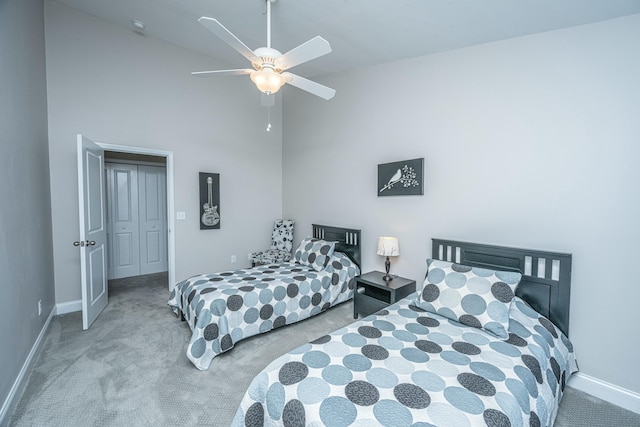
(269, 118)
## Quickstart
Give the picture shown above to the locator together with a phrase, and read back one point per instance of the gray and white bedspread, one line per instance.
(407, 367)
(224, 308)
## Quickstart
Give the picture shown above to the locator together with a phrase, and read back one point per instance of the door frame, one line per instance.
(168, 155)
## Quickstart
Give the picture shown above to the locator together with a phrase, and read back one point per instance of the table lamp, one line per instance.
(388, 246)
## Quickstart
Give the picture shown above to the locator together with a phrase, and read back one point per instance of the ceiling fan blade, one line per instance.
(240, 72)
(307, 51)
(311, 87)
(221, 31)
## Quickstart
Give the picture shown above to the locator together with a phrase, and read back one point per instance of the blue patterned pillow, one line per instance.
(314, 252)
(472, 296)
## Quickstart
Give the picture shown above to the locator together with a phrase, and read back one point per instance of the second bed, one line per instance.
(224, 308)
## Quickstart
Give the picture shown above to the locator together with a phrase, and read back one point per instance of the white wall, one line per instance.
(530, 142)
(26, 253)
(118, 87)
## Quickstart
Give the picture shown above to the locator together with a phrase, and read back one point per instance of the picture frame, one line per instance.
(403, 178)
(209, 201)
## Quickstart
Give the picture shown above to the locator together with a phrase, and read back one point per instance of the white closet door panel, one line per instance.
(123, 196)
(152, 192)
(125, 241)
(153, 247)
(153, 197)
(124, 251)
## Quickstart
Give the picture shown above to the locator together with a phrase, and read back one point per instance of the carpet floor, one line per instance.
(130, 368)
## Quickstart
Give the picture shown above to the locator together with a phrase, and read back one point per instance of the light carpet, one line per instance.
(130, 368)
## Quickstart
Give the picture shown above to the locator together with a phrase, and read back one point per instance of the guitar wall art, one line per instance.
(209, 201)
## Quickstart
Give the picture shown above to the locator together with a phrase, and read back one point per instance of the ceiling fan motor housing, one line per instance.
(269, 58)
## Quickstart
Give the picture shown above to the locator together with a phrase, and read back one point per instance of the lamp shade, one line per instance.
(388, 246)
(267, 80)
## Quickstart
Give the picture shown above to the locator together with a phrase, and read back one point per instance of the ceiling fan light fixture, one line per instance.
(267, 80)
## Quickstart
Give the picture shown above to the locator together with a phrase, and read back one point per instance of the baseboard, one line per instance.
(9, 402)
(68, 307)
(619, 396)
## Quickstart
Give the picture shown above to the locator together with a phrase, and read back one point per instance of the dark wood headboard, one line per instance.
(347, 240)
(546, 276)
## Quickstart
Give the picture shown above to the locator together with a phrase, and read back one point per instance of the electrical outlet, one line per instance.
(39, 307)
(181, 215)
(249, 256)
(233, 258)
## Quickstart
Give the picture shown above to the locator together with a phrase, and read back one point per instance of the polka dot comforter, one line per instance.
(224, 308)
(407, 367)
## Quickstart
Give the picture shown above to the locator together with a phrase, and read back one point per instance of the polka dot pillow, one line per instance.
(473, 296)
(314, 252)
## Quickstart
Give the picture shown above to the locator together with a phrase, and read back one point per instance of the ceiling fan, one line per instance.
(269, 65)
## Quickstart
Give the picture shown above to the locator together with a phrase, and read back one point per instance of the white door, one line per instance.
(123, 207)
(153, 207)
(93, 230)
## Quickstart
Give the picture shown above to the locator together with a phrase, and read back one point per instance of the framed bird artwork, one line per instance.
(404, 178)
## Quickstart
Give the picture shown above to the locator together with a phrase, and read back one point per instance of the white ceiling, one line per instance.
(361, 32)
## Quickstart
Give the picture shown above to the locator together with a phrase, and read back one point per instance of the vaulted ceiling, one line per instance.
(361, 32)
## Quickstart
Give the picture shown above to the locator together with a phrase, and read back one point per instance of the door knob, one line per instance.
(84, 243)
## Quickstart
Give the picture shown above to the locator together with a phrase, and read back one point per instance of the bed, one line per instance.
(411, 364)
(226, 307)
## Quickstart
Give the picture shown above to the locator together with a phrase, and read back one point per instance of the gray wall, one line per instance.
(529, 142)
(118, 87)
(26, 259)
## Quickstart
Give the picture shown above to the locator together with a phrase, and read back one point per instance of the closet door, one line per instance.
(153, 211)
(124, 237)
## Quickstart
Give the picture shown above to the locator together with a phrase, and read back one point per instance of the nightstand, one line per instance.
(373, 293)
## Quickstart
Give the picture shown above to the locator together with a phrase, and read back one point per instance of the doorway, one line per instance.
(150, 160)
(136, 214)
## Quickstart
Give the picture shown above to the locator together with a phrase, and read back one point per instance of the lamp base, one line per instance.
(387, 277)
